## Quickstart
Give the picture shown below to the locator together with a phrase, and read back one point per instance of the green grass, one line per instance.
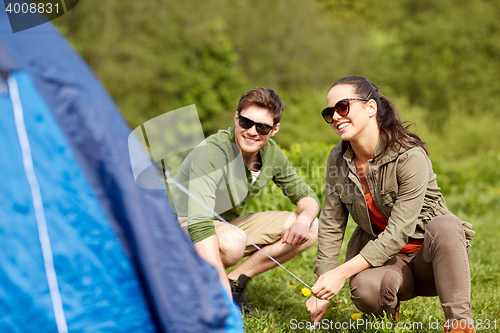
(281, 306)
(472, 190)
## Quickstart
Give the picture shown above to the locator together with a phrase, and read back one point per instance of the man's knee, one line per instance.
(232, 244)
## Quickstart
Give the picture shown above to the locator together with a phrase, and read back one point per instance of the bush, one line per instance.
(471, 185)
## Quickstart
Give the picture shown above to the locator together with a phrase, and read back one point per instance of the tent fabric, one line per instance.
(123, 264)
(83, 243)
(7, 63)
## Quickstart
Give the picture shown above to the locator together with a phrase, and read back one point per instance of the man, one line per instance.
(225, 172)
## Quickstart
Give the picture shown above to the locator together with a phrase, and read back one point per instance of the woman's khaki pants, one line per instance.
(439, 268)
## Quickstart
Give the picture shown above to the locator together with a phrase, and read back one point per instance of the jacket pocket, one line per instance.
(358, 241)
(389, 198)
(346, 198)
(345, 193)
(469, 233)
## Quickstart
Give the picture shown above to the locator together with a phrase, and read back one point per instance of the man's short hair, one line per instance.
(265, 98)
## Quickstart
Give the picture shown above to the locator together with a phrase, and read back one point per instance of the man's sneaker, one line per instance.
(237, 288)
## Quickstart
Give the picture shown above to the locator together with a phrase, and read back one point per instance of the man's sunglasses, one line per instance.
(342, 108)
(262, 129)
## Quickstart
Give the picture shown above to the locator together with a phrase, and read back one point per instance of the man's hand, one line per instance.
(298, 233)
(317, 308)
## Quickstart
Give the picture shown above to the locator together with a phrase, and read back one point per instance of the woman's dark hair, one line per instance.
(391, 128)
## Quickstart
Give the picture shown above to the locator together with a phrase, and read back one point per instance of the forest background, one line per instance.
(437, 60)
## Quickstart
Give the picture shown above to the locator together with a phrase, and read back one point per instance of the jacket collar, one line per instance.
(381, 156)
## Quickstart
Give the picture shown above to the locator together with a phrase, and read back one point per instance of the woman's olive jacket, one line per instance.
(404, 190)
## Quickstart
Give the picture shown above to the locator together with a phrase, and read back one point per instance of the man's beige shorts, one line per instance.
(261, 228)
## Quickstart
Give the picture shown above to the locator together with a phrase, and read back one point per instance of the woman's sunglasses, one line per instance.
(262, 129)
(342, 108)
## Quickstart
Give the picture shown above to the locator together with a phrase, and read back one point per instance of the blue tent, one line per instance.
(84, 249)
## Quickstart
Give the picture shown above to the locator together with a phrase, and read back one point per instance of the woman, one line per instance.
(407, 243)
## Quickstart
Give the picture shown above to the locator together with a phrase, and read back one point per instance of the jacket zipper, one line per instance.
(377, 199)
(367, 214)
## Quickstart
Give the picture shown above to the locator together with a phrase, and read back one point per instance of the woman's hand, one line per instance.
(317, 308)
(329, 284)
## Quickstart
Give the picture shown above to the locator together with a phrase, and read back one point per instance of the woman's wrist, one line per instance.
(353, 267)
(343, 271)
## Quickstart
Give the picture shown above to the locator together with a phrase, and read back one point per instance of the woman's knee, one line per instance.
(374, 294)
(445, 224)
(445, 232)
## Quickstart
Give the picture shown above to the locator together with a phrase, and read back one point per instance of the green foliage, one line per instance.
(472, 184)
(439, 54)
(302, 119)
(155, 57)
(281, 43)
(154, 60)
